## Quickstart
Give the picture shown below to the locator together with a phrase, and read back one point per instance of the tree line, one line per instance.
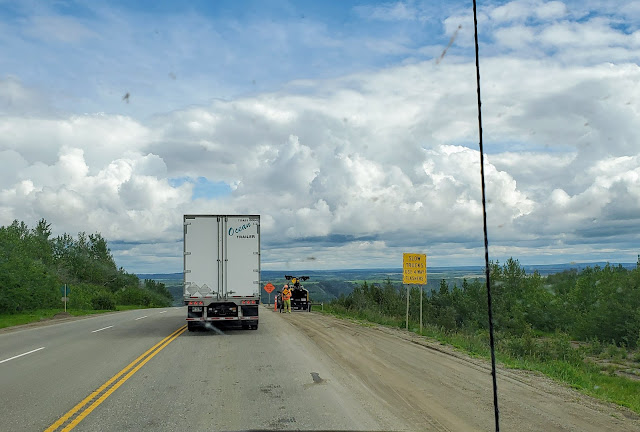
(34, 265)
(599, 304)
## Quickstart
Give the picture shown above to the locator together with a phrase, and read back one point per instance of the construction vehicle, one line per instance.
(222, 270)
(299, 295)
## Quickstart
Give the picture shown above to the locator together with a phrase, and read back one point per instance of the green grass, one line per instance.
(582, 376)
(586, 378)
(367, 315)
(130, 307)
(9, 320)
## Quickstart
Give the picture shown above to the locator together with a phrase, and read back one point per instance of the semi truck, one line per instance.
(222, 270)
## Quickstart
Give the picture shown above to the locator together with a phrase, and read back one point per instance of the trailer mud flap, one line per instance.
(249, 311)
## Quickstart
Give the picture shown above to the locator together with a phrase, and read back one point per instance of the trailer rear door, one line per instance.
(242, 256)
(202, 256)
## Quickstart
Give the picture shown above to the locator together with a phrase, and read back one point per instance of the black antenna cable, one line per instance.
(484, 219)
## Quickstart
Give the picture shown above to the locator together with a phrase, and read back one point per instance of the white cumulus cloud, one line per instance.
(353, 170)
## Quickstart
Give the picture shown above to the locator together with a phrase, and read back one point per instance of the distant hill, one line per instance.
(395, 273)
(159, 276)
(325, 285)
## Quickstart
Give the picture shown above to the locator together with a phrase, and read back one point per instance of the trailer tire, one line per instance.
(191, 326)
(254, 327)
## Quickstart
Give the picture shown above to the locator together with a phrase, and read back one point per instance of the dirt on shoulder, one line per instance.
(434, 387)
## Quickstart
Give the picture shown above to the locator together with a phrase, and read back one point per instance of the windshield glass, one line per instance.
(181, 162)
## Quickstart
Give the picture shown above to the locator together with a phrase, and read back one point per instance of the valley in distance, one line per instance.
(327, 285)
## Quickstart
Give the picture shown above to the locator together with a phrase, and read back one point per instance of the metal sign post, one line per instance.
(407, 321)
(65, 295)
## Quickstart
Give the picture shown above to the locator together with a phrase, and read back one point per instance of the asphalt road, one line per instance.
(123, 372)
(273, 378)
(73, 359)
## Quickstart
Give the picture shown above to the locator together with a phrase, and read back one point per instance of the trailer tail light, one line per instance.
(196, 303)
(249, 302)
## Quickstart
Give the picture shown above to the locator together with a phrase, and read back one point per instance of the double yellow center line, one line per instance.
(81, 410)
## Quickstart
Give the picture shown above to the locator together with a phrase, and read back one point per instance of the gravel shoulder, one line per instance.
(433, 387)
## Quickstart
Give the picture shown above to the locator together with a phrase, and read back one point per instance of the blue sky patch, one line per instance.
(203, 187)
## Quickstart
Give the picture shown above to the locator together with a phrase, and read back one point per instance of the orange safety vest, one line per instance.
(286, 294)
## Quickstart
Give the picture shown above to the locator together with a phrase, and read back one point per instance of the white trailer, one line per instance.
(222, 270)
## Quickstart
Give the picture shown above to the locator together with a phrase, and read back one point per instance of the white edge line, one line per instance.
(101, 329)
(140, 318)
(20, 355)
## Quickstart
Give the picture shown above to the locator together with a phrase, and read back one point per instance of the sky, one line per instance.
(351, 127)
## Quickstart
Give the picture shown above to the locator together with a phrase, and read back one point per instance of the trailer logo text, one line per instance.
(239, 229)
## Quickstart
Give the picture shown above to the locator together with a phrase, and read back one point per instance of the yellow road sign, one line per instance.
(414, 268)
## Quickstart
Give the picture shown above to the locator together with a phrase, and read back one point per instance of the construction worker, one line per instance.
(286, 298)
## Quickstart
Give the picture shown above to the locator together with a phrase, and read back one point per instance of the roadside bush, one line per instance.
(8, 304)
(556, 347)
(559, 347)
(521, 347)
(80, 296)
(446, 318)
(133, 296)
(615, 352)
(158, 300)
(141, 297)
(473, 343)
(103, 301)
(157, 288)
(595, 347)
